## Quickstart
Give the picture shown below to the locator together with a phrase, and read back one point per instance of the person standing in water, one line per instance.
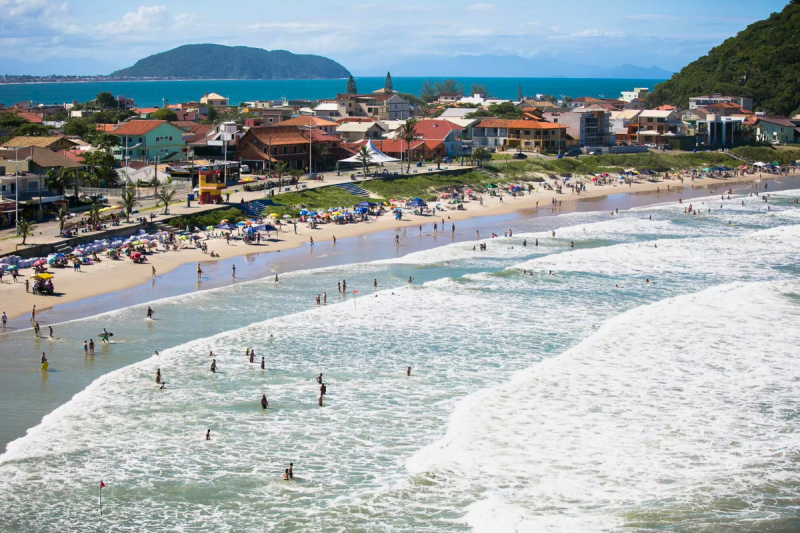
(153, 271)
(214, 366)
(33, 314)
(252, 355)
(44, 358)
(51, 331)
(291, 470)
(85, 348)
(375, 283)
(149, 312)
(319, 379)
(263, 363)
(408, 371)
(4, 318)
(199, 271)
(91, 346)
(264, 403)
(208, 435)
(36, 329)
(233, 271)
(158, 376)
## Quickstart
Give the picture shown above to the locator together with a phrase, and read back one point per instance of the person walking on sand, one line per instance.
(264, 402)
(4, 318)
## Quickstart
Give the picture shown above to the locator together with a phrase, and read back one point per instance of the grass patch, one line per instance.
(592, 164)
(767, 154)
(320, 199)
(426, 186)
(209, 218)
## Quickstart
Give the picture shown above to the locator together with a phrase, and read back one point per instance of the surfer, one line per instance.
(264, 403)
(105, 335)
(149, 312)
(408, 371)
(208, 435)
(263, 363)
(51, 331)
(214, 366)
(319, 379)
(158, 376)
(44, 358)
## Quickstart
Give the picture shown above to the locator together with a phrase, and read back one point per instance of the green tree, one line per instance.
(102, 141)
(128, 201)
(164, 113)
(438, 161)
(431, 90)
(351, 86)
(62, 216)
(76, 127)
(165, 197)
(482, 154)
(59, 180)
(388, 85)
(566, 100)
(279, 169)
(479, 88)
(105, 100)
(364, 156)
(94, 214)
(31, 130)
(505, 110)
(408, 134)
(25, 228)
(11, 121)
(102, 165)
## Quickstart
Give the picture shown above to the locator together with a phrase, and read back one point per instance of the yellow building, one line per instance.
(212, 183)
(537, 136)
(214, 99)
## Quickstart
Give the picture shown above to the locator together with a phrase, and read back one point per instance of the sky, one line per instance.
(96, 37)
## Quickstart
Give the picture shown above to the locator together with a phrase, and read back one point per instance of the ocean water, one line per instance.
(151, 93)
(579, 400)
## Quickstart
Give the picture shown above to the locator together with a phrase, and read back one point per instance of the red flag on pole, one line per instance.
(355, 291)
(102, 484)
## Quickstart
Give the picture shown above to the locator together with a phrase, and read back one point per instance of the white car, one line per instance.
(776, 142)
(652, 145)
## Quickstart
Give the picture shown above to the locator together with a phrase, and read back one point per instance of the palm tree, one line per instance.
(58, 180)
(62, 217)
(279, 169)
(438, 161)
(129, 201)
(94, 214)
(364, 156)
(25, 228)
(165, 197)
(408, 134)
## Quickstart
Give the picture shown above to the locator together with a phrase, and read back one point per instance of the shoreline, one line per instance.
(108, 277)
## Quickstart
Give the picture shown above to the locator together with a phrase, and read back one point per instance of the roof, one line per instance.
(249, 152)
(456, 112)
(32, 117)
(138, 127)
(42, 157)
(105, 128)
(625, 114)
(309, 120)
(777, 121)
(652, 113)
(214, 96)
(326, 106)
(354, 119)
(275, 135)
(535, 125)
(435, 129)
(321, 136)
(494, 123)
(42, 142)
(371, 96)
(358, 126)
(393, 146)
(450, 94)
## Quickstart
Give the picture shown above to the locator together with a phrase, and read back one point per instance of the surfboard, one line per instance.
(45, 365)
(101, 334)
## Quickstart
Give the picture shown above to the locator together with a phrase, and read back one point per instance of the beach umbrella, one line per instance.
(136, 255)
(250, 230)
(59, 256)
(13, 267)
(287, 216)
(43, 275)
(274, 215)
(775, 164)
(225, 225)
(310, 213)
(223, 221)
(241, 224)
(40, 262)
(209, 228)
(304, 211)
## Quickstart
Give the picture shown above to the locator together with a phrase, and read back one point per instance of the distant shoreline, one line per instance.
(134, 80)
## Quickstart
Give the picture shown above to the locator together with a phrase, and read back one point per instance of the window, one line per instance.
(140, 139)
(170, 137)
(526, 132)
(33, 185)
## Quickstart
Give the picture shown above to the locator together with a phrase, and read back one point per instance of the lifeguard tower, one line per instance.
(211, 185)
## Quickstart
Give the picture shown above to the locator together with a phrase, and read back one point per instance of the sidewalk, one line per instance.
(46, 233)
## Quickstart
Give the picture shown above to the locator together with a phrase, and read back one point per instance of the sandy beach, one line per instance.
(109, 276)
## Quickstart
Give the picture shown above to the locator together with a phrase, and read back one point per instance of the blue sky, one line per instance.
(91, 36)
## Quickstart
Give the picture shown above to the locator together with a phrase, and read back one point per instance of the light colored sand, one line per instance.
(109, 276)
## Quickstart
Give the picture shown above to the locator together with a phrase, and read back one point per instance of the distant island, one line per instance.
(217, 62)
(762, 62)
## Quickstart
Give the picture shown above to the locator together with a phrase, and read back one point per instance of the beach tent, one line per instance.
(759, 164)
(365, 204)
(376, 156)
(226, 225)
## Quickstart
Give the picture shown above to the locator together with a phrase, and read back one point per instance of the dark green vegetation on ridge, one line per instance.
(214, 61)
(761, 62)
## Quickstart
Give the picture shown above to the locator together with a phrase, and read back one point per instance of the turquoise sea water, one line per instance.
(147, 93)
(543, 402)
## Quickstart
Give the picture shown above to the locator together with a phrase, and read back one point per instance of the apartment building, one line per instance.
(387, 106)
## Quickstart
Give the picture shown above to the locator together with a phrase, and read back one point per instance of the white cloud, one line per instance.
(145, 20)
(289, 27)
(481, 7)
(597, 33)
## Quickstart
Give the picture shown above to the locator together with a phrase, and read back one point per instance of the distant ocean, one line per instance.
(151, 93)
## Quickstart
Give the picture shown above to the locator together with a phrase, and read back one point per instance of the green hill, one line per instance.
(213, 61)
(761, 62)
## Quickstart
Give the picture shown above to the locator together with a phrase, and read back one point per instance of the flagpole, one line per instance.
(354, 298)
(101, 501)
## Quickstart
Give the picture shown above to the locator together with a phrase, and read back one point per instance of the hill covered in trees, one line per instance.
(761, 62)
(213, 61)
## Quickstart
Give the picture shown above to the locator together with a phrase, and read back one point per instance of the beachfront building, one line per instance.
(638, 93)
(491, 133)
(327, 110)
(214, 99)
(719, 130)
(657, 127)
(147, 140)
(775, 130)
(589, 127)
(441, 137)
(386, 106)
(54, 144)
(536, 136)
(262, 147)
(357, 130)
(705, 101)
(449, 98)
(624, 125)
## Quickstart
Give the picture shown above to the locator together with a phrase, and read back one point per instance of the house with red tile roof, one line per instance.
(148, 140)
(263, 146)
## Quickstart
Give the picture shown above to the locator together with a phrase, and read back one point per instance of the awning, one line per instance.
(376, 156)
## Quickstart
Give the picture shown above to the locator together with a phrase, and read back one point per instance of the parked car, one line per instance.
(447, 160)
(244, 169)
(651, 145)
(520, 155)
(776, 142)
(623, 144)
(573, 152)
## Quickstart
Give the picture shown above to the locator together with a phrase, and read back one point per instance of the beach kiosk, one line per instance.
(211, 185)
